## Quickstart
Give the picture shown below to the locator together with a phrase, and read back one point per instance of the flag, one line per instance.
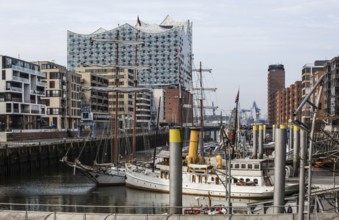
(138, 21)
(237, 98)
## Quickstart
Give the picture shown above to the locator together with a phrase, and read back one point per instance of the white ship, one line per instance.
(250, 179)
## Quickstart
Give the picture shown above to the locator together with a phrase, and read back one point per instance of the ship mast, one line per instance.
(115, 147)
(200, 70)
(117, 70)
(135, 98)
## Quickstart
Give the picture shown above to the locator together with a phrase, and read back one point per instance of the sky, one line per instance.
(237, 39)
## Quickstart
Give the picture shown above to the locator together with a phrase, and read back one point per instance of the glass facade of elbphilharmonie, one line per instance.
(162, 46)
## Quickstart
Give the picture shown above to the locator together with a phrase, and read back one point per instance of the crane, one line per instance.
(251, 115)
(256, 112)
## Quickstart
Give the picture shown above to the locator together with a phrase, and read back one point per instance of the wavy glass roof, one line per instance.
(166, 24)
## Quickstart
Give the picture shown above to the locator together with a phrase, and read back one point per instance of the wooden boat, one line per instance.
(102, 175)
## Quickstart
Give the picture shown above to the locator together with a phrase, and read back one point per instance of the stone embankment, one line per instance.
(14, 215)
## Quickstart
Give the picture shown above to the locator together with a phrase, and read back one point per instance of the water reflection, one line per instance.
(59, 190)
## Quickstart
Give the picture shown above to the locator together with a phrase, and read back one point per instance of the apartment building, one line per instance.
(331, 89)
(125, 100)
(287, 101)
(21, 89)
(310, 75)
(62, 96)
(94, 103)
(275, 82)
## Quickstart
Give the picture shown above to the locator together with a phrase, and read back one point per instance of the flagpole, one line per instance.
(235, 125)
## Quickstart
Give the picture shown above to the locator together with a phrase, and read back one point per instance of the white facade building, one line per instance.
(21, 87)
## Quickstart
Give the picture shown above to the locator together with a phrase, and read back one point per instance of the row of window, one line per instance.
(245, 166)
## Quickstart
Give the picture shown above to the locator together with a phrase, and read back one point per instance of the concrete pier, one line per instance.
(16, 215)
(32, 155)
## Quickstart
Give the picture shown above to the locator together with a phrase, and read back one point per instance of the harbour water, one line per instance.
(60, 190)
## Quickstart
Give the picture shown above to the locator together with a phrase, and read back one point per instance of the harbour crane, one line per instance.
(251, 115)
(256, 112)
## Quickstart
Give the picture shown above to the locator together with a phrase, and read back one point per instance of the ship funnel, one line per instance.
(219, 161)
(193, 147)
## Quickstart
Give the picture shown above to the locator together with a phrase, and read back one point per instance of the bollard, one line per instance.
(279, 170)
(175, 190)
(296, 149)
(290, 141)
(303, 147)
(261, 141)
(255, 148)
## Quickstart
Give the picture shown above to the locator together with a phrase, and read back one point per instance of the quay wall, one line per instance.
(17, 158)
(14, 215)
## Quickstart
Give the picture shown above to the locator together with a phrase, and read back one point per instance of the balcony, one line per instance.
(38, 92)
(20, 79)
(14, 99)
(43, 84)
(26, 70)
(25, 111)
(14, 89)
(35, 111)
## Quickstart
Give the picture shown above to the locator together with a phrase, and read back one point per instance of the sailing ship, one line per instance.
(104, 173)
(100, 172)
(112, 173)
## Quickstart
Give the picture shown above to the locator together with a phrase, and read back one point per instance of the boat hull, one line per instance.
(103, 179)
(102, 176)
(146, 180)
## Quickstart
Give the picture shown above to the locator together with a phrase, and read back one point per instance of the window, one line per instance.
(8, 107)
(3, 74)
(55, 93)
(54, 75)
(51, 84)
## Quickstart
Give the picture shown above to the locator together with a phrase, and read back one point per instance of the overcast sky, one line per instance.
(237, 39)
